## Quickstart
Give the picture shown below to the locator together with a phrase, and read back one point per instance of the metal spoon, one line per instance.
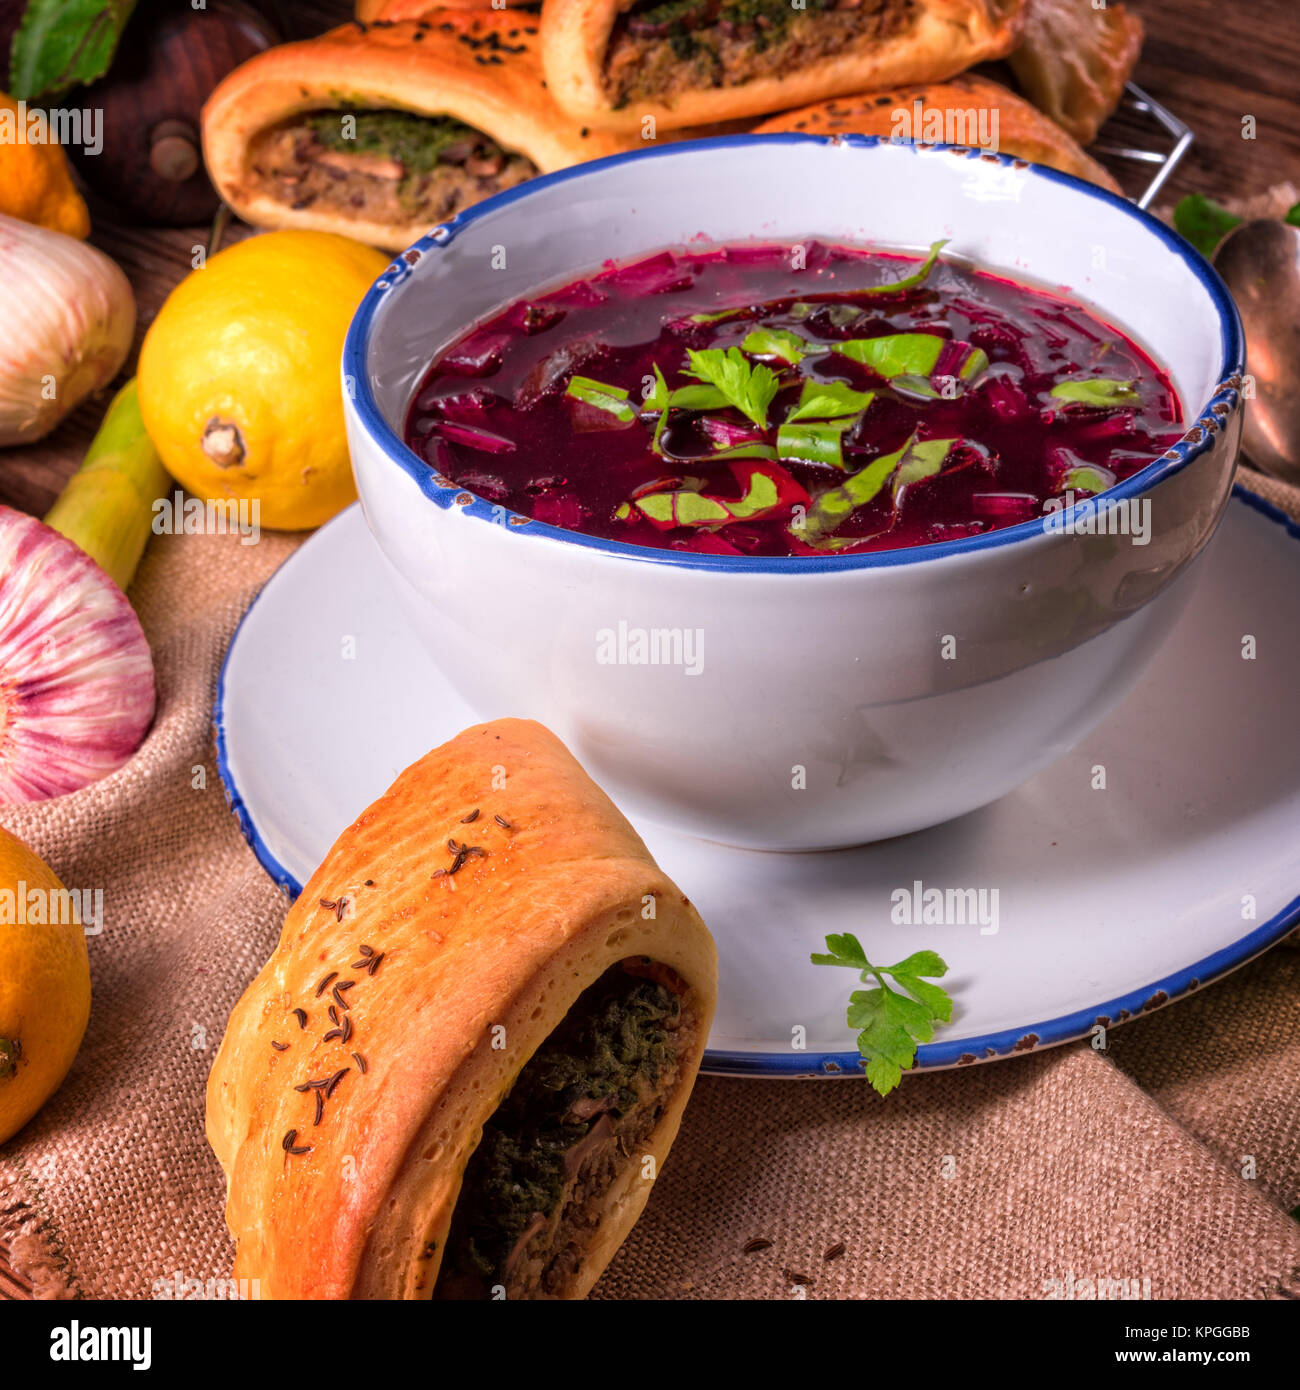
(1260, 263)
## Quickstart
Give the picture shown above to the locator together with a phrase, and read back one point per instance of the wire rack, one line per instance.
(1128, 144)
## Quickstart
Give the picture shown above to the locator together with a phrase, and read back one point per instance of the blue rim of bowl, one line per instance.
(1211, 419)
(930, 1056)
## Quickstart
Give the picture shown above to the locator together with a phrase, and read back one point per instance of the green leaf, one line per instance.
(776, 342)
(825, 400)
(975, 365)
(613, 400)
(895, 354)
(686, 507)
(814, 442)
(837, 313)
(743, 451)
(890, 1022)
(751, 389)
(919, 963)
(61, 43)
(697, 398)
(919, 387)
(1203, 222)
(924, 461)
(658, 400)
(1087, 477)
(934, 998)
(761, 495)
(1100, 392)
(1292, 218)
(720, 316)
(833, 507)
(844, 950)
(683, 508)
(910, 282)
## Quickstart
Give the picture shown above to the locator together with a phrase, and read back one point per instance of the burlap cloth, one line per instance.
(992, 1181)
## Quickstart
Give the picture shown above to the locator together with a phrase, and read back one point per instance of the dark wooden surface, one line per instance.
(1211, 62)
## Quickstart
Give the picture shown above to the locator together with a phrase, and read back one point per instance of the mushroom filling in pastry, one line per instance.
(383, 166)
(662, 47)
(573, 1121)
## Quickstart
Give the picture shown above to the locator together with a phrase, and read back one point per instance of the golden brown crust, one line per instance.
(511, 939)
(370, 10)
(427, 68)
(1074, 60)
(1022, 130)
(946, 37)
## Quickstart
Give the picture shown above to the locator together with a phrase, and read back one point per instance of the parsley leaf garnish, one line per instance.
(891, 1021)
(751, 389)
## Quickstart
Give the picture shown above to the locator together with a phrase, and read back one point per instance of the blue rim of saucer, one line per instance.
(1198, 436)
(930, 1056)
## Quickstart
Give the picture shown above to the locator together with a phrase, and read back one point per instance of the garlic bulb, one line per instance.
(66, 320)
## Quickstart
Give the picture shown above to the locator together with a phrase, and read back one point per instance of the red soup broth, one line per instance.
(768, 401)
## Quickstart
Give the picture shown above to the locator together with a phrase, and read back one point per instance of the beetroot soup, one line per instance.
(764, 400)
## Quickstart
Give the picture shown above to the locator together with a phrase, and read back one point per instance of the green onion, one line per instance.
(896, 354)
(611, 399)
(814, 442)
(1101, 392)
(825, 400)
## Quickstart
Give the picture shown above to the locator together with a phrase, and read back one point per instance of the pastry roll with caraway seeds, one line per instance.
(1021, 130)
(380, 133)
(460, 1071)
(613, 63)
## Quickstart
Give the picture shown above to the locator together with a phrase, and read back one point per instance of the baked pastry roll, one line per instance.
(443, 113)
(371, 10)
(469, 1054)
(689, 62)
(1074, 60)
(960, 111)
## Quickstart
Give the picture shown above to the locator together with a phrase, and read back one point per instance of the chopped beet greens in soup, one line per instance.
(720, 400)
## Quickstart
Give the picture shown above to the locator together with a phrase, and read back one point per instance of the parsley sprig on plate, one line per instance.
(891, 1022)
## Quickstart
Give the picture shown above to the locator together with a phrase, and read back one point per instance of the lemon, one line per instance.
(44, 985)
(239, 375)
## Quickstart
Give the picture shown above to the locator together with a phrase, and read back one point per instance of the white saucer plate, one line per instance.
(1098, 903)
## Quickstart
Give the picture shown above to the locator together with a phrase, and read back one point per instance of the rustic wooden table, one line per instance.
(1212, 64)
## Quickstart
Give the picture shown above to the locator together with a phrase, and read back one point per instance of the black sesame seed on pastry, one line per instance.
(691, 62)
(1021, 129)
(379, 132)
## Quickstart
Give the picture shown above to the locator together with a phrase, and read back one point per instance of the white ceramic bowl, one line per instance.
(838, 699)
